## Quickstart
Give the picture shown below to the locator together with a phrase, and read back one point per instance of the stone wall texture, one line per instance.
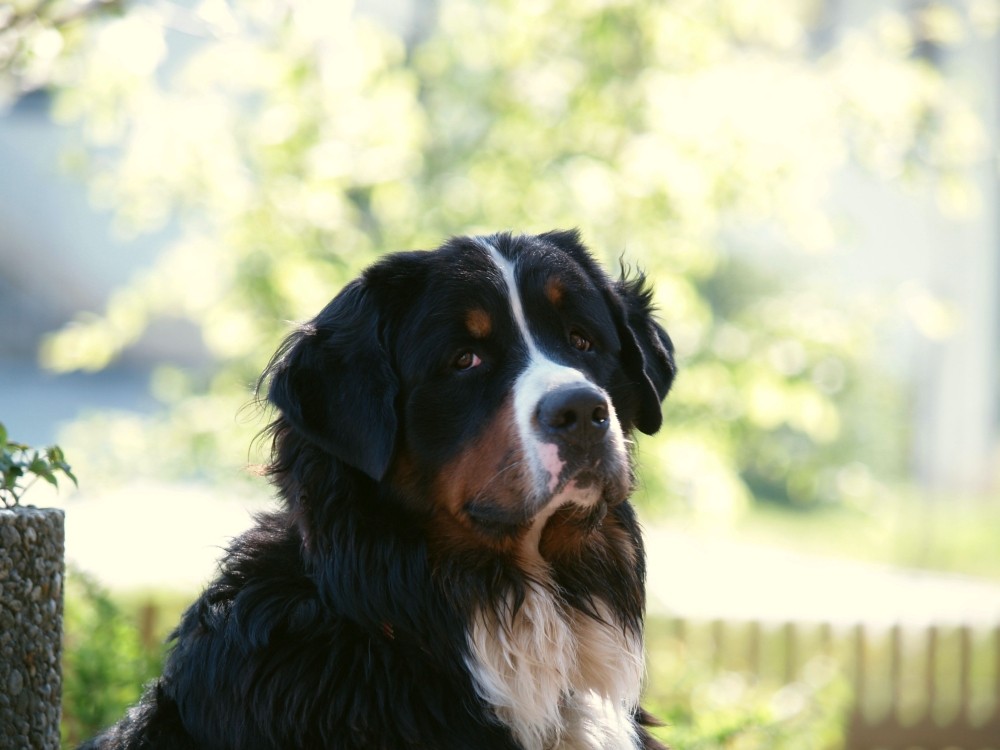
(31, 609)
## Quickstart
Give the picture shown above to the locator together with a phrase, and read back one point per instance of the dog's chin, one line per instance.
(589, 488)
(581, 499)
(582, 518)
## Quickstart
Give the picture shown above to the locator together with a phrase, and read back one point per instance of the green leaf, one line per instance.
(18, 460)
(11, 476)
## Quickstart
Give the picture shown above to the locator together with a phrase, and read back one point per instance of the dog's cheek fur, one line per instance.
(489, 472)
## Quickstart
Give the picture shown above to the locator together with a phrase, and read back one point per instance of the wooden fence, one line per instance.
(933, 687)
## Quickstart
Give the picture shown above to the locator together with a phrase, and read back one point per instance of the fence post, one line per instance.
(896, 672)
(717, 628)
(755, 655)
(932, 660)
(965, 675)
(790, 636)
(860, 660)
(996, 675)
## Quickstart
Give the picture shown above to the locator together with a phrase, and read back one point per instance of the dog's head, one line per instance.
(488, 384)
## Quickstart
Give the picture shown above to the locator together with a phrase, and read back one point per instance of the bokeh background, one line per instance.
(812, 185)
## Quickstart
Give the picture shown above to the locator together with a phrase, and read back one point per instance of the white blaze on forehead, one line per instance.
(557, 374)
(506, 269)
(539, 377)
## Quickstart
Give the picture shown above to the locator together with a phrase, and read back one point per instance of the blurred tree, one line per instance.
(32, 35)
(293, 142)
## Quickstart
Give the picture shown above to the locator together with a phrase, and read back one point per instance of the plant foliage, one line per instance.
(105, 661)
(705, 708)
(21, 466)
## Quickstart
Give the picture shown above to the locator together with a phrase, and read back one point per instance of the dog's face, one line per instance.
(489, 384)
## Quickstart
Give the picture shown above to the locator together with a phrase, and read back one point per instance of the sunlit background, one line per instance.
(812, 184)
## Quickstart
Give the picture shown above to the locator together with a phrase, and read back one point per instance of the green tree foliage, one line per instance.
(293, 142)
(32, 36)
(105, 661)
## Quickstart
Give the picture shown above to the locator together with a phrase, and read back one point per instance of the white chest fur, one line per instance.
(560, 680)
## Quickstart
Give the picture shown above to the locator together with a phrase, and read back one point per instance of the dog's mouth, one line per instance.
(496, 520)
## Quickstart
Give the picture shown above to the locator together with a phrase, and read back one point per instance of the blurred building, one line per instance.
(904, 243)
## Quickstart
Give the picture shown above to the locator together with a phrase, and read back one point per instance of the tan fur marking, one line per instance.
(573, 534)
(479, 323)
(554, 290)
(491, 469)
(476, 468)
(566, 534)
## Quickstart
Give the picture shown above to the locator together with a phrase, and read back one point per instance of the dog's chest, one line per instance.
(559, 679)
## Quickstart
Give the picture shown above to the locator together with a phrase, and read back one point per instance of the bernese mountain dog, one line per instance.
(455, 563)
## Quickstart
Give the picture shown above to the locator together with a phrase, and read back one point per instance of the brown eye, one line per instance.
(466, 361)
(579, 342)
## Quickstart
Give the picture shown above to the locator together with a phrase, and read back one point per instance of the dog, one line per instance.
(455, 563)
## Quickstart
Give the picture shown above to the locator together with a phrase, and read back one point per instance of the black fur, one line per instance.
(339, 621)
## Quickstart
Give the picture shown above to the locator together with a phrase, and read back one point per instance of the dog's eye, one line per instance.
(579, 342)
(466, 361)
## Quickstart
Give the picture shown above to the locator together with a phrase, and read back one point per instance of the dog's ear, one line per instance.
(333, 381)
(647, 352)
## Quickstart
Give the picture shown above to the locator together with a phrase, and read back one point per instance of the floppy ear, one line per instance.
(333, 382)
(647, 352)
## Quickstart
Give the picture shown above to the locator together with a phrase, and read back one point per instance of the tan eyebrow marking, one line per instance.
(554, 290)
(479, 323)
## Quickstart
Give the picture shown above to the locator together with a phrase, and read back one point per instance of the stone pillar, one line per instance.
(31, 609)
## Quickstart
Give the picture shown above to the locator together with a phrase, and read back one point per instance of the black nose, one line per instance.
(576, 414)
